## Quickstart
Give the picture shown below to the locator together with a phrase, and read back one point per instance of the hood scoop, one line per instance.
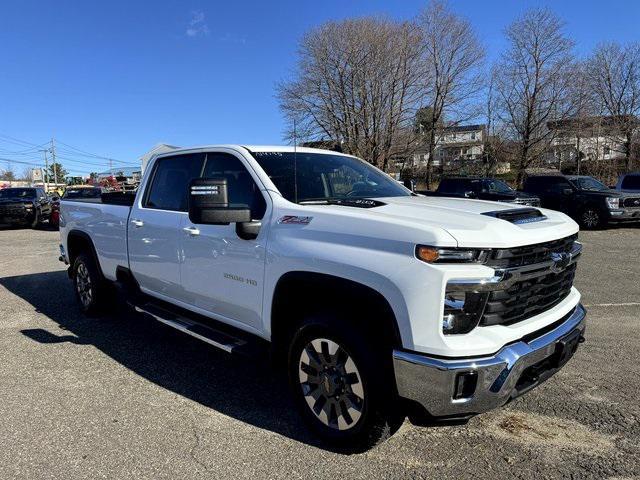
(518, 216)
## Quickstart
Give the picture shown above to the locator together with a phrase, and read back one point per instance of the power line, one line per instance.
(91, 154)
(71, 150)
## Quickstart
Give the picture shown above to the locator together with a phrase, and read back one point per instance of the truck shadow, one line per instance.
(245, 389)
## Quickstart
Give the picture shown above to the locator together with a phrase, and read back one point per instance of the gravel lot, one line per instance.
(125, 397)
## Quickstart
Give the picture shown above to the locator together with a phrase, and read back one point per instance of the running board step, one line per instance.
(218, 339)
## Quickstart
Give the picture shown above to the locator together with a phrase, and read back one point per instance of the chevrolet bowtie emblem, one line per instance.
(560, 261)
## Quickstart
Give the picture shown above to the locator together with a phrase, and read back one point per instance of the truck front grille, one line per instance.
(528, 298)
(530, 254)
(631, 202)
(539, 284)
(11, 209)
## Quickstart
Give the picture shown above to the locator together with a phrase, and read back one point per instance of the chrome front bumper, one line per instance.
(434, 383)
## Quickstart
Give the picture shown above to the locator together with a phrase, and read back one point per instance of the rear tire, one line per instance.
(91, 289)
(342, 382)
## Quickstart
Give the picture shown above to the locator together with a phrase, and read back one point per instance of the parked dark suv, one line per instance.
(482, 188)
(24, 206)
(588, 201)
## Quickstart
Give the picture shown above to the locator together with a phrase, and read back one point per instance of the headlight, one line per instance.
(28, 206)
(450, 255)
(462, 311)
(613, 202)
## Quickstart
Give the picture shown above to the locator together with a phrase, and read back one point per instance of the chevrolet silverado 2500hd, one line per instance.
(380, 303)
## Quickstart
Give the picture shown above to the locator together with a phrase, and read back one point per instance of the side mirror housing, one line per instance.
(470, 194)
(567, 191)
(209, 203)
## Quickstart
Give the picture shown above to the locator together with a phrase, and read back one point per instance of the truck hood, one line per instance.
(456, 221)
(467, 222)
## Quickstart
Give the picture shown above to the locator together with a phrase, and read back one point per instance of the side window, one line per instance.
(557, 185)
(447, 186)
(170, 182)
(463, 186)
(241, 188)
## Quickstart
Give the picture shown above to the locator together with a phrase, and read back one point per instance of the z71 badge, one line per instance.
(295, 220)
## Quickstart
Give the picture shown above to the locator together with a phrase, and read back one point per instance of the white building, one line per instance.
(159, 148)
(593, 138)
(456, 143)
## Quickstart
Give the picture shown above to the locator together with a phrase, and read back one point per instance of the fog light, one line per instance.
(462, 311)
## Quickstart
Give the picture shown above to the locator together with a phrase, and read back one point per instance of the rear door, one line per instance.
(222, 273)
(154, 232)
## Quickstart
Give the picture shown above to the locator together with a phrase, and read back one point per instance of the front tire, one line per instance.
(342, 384)
(36, 220)
(88, 284)
(591, 219)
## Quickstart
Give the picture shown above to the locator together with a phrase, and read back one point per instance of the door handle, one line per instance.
(137, 223)
(193, 231)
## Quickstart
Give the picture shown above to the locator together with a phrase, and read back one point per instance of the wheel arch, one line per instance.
(300, 292)
(80, 242)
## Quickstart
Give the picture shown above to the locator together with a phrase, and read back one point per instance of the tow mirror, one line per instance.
(209, 203)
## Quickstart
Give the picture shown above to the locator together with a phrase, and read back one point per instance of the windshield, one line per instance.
(326, 177)
(588, 183)
(496, 186)
(29, 193)
(631, 182)
(82, 193)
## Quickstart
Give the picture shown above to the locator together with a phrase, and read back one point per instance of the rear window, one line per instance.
(171, 178)
(71, 193)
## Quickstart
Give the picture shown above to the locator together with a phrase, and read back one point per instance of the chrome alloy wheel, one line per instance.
(331, 384)
(83, 285)
(590, 219)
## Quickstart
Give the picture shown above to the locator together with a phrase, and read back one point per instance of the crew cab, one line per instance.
(24, 206)
(379, 303)
(590, 202)
(482, 188)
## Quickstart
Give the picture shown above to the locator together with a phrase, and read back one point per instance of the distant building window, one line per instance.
(473, 135)
(607, 150)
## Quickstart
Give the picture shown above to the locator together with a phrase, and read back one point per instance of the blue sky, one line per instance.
(116, 77)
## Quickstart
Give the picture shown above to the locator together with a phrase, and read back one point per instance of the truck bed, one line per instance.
(104, 223)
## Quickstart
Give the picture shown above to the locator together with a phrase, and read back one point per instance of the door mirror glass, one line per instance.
(209, 203)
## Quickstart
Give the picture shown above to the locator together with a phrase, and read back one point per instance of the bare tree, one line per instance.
(614, 80)
(7, 174)
(27, 174)
(532, 79)
(453, 57)
(357, 84)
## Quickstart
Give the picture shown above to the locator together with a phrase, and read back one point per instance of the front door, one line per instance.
(154, 232)
(222, 273)
(558, 195)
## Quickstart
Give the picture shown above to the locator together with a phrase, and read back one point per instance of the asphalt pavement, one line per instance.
(126, 397)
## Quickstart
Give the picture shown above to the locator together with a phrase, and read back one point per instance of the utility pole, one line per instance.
(46, 171)
(53, 157)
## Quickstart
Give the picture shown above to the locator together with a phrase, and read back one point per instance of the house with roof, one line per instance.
(455, 143)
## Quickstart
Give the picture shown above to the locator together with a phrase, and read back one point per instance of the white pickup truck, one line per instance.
(380, 302)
